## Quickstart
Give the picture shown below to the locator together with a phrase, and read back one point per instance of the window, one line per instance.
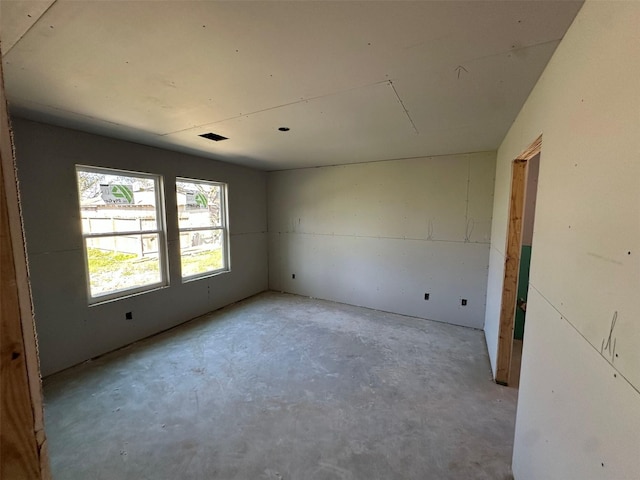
(202, 219)
(123, 231)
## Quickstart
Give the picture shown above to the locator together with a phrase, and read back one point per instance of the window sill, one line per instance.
(125, 296)
(202, 276)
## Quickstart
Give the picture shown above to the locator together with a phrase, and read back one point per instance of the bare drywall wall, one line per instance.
(579, 407)
(383, 234)
(68, 330)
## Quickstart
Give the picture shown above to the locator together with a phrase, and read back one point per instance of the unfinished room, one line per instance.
(318, 240)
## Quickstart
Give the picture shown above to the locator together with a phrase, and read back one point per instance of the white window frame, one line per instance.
(160, 230)
(224, 227)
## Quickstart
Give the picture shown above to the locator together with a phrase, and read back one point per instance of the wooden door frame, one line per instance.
(23, 451)
(513, 247)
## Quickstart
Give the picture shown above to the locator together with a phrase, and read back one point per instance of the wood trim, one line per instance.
(511, 271)
(532, 150)
(512, 260)
(23, 452)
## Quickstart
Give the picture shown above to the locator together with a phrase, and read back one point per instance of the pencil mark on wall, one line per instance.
(459, 69)
(293, 225)
(610, 345)
(466, 208)
(606, 259)
(403, 107)
(469, 230)
(592, 344)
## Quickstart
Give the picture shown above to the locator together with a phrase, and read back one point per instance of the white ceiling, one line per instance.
(354, 81)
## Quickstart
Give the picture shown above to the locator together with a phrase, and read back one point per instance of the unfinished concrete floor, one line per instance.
(284, 387)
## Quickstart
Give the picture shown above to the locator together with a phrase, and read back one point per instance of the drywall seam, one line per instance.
(381, 237)
(366, 162)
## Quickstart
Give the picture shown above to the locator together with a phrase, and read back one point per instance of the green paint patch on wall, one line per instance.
(523, 287)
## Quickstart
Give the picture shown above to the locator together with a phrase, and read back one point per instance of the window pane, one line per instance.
(122, 262)
(201, 251)
(199, 204)
(116, 203)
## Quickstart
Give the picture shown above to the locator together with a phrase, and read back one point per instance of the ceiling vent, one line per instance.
(213, 136)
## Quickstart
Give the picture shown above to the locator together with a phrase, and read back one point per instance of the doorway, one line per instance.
(23, 448)
(522, 199)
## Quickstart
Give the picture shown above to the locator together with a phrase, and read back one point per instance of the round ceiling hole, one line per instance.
(284, 129)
